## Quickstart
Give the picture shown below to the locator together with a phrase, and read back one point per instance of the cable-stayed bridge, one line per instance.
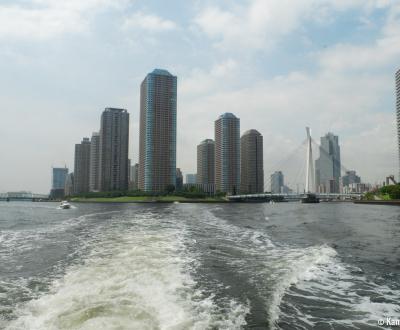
(266, 197)
(307, 178)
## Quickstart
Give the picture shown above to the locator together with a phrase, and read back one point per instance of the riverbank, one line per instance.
(148, 199)
(379, 202)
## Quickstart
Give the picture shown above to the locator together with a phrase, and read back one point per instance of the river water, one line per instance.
(198, 266)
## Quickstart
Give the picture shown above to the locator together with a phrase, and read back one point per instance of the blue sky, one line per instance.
(279, 65)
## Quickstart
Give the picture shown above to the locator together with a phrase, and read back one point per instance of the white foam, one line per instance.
(291, 266)
(330, 281)
(317, 270)
(132, 279)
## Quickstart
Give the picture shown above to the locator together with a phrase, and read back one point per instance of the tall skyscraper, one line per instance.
(398, 113)
(251, 163)
(82, 166)
(134, 176)
(328, 165)
(277, 182)
(179, 179)
(114, 144)
(58, 182)
(227, 154)
(69, 185)
(59, 177)
(157, 145)
(206, 162)
(94, 184)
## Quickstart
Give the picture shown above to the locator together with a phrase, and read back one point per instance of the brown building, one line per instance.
(251, 163)
(114, 144)
(94, 182)
(82, 167)
(227, 154)
(157, 142)
(206, 162)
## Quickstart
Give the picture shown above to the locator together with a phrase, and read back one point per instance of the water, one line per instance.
(198, 266)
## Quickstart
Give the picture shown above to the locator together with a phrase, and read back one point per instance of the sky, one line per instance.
(279, 65)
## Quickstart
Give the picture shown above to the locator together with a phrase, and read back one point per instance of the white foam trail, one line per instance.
(292, 266)
(316, 270)
(133, 279)
(336, 283)
(23, 240)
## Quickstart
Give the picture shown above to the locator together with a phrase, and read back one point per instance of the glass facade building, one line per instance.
(328, 165)
(277, 182)
(59, 177)
(157, 141)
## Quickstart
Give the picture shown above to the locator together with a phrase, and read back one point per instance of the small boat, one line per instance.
(310, 199)
(65, 205)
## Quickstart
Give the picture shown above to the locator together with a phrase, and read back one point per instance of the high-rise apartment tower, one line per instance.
(82, 166)
(227, 154)
(114, 145)
(206, 162)
(157, 142)
(251, 163)
(94, 182)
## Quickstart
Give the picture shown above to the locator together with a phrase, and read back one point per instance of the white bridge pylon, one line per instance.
(310, 174)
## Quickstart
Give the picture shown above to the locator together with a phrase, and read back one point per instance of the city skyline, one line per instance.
(335, 82)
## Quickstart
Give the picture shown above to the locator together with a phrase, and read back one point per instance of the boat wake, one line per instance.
(137, 276)
(304, 287)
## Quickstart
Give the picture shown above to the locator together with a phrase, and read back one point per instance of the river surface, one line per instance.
(198, 266)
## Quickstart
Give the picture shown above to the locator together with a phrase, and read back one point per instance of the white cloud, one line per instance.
(256, 26)
(149, 22)
(384, 51)
(261, 24)
(46, 19)
(200, 81)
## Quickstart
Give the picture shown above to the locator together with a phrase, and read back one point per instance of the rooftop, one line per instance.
(161, 72)
(207, 141)
(228, 115)
(115, 109)
(252, 131)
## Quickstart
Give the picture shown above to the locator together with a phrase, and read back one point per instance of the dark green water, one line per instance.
(197, 266)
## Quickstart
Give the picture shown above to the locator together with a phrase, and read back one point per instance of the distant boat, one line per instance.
(65, 205)
(310, 198)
